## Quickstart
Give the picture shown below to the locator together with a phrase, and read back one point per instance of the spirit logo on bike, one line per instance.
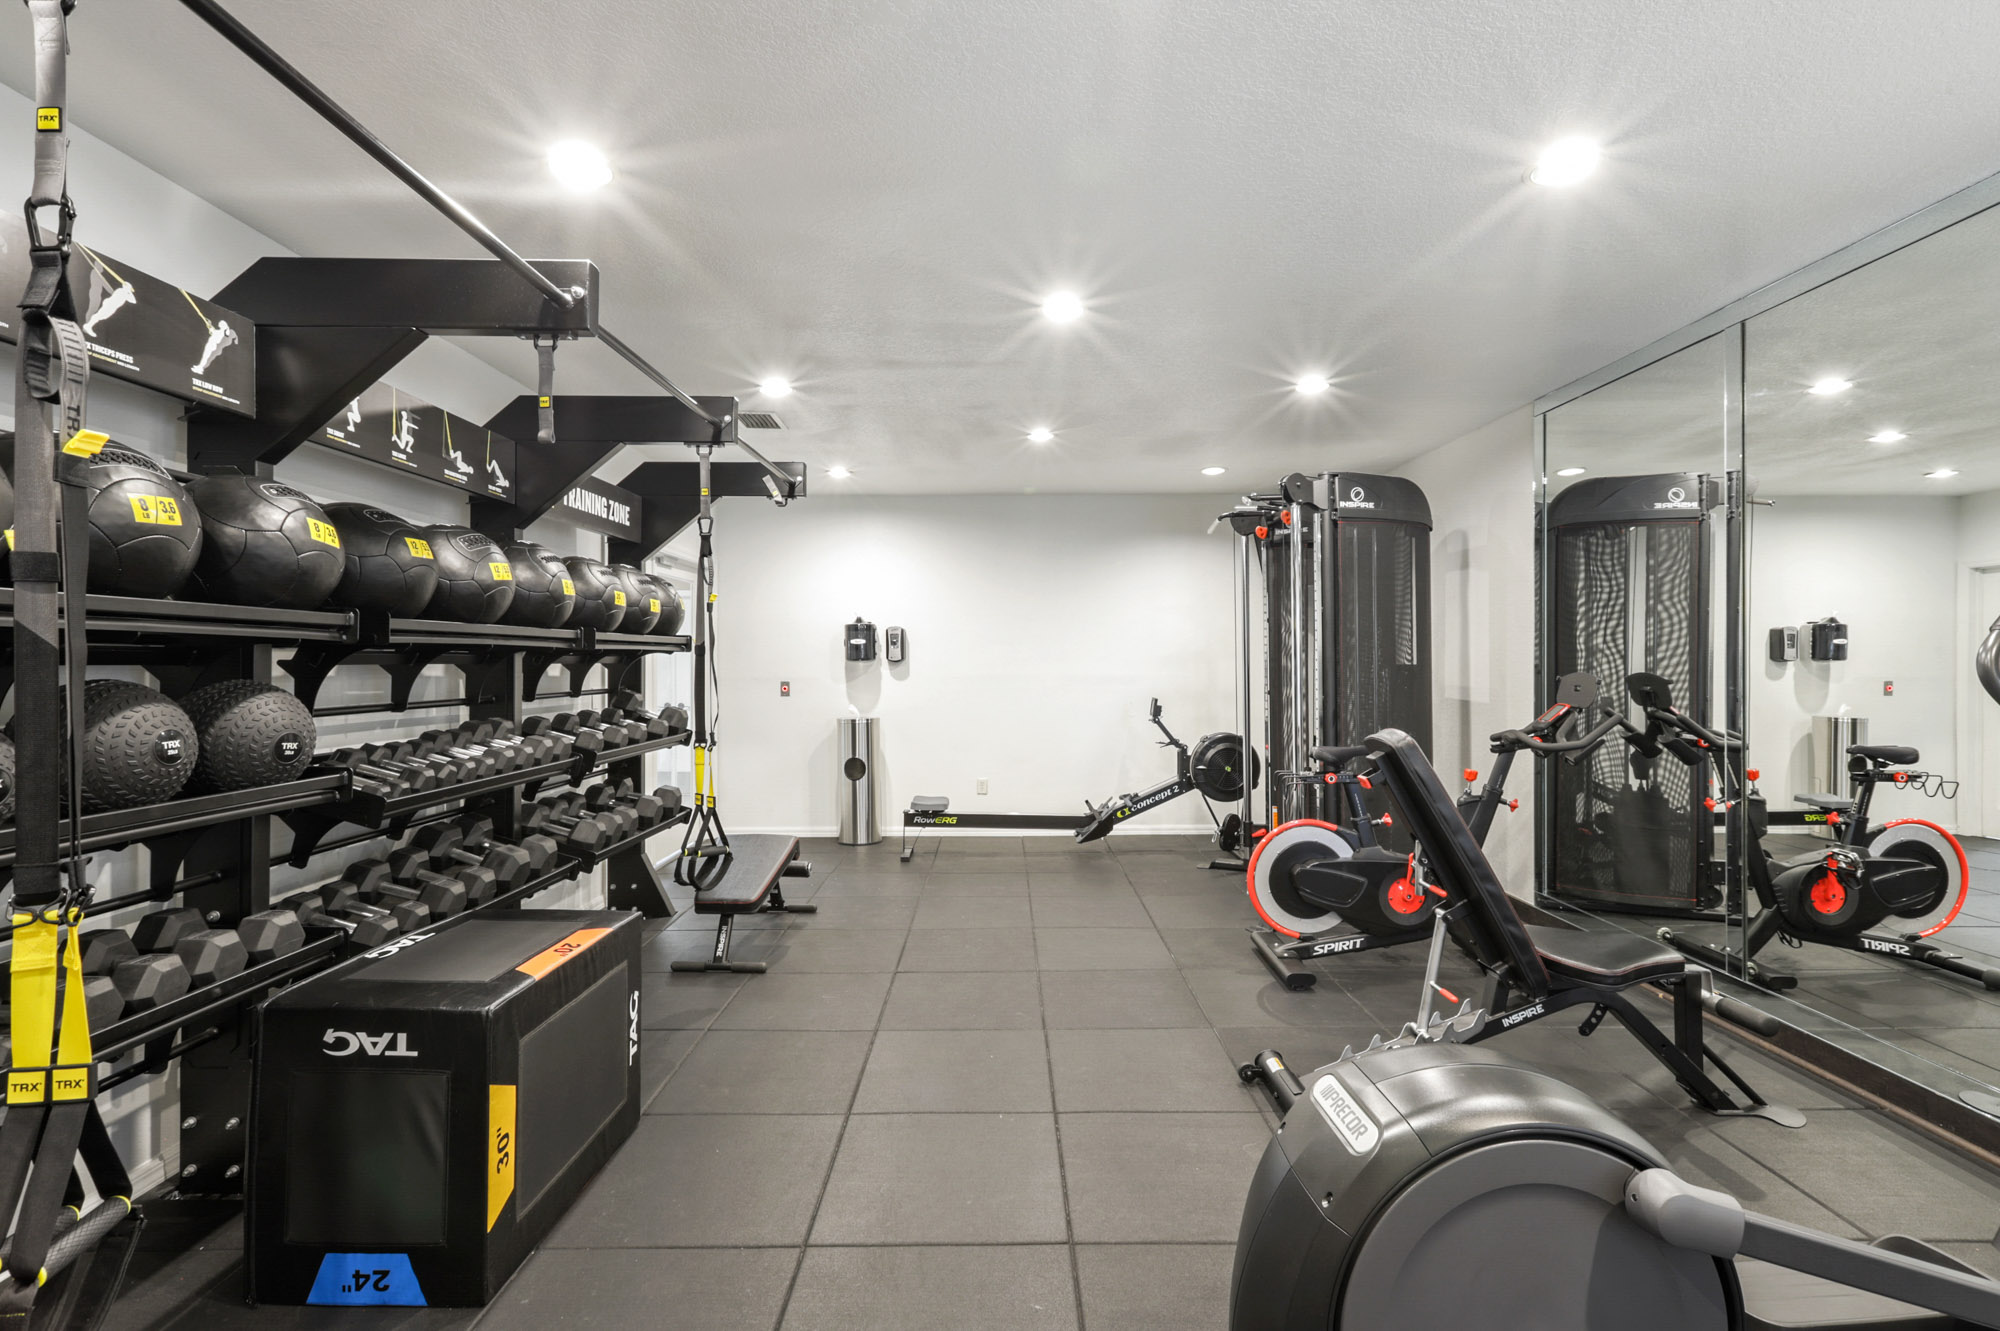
(1339, 945)
(1884, 945)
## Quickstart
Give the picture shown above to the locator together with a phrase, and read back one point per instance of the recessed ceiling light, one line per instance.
(1213, 471)
(1041, 434)
(579, 166)
(1830, 385)
(838, 473)
(1566, 161)
(1888, 437)
(1570, 471)
(1061, 307)
(1311, 384)
(1941, 474)
(775, 386)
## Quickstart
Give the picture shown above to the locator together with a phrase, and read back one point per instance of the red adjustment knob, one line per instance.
(1286, 517)
(1331, 778)
(1472, 774)
(1513, 805)
(1752, 773)
(1832, 819)
(1710, 803)
(1902, 778)
(1263, 533)
(1385, 821)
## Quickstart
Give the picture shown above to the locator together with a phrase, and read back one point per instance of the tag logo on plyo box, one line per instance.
(391, 949)
(1349, 1121)
(633, 1056)
(389, 1044)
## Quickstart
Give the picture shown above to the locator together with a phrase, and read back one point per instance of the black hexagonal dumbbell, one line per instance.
(163, 929)
(104, 949)
(416, 866)
(151, 980)
(582, 832)
(389, 884)
(212, 955)
(270, 934)
(671, 720)
(374, 777)
(538, 849)
(506, 867)
(343, 898)
(366, 927)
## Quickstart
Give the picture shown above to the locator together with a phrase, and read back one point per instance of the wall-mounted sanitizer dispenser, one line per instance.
(892, 644)
(860, 640)
(1829, 640)
(1785, 644)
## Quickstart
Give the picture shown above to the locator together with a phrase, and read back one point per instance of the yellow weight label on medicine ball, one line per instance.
(617, 598)
(158, 510)
(653, 604)
(502, 572)
(569, 588)
(420, 548)
(323, 532)
(10, 538)
(48, 119)
(500, 1131)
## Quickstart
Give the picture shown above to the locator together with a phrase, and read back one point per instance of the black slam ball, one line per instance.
(139, 747)
(599, 595)
(264, 543)
(544, 595)
(7, 514)
(389, 565)
(672, 611)
(250, 735)
(475, 581)
(145, 534)
(6, 779)
(642, 608)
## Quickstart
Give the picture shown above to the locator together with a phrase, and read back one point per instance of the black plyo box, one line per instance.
(425, 1115)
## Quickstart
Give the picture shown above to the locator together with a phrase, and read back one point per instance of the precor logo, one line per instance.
(1350, 1123)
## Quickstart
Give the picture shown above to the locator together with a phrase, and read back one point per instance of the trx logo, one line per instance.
(69, 1086)
(391, 949)
(1516, 1018)
(156, 510)
(1339, 945)
(170, 747)
(48, 119)
(390, 1044)
(502, 572)
(633, 1055)
(1350, 1123)
(421, 549)
(323, 532)
(1883, 945)
(288, 747)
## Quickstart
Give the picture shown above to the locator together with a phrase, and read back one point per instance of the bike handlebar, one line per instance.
(1522, 739)
(1687, 725)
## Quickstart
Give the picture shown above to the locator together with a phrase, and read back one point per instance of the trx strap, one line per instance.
(50, 1088)
(545, 389)
(705, 849)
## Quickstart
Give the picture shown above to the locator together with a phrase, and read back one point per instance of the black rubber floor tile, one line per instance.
(1152, 1071)
(1216, 907)
(1226, 949)
(1114, 1000)
(981, 845)
(1155, 1287)
(1105, 877)
(725, 1180)
(985, 883)
(1088, 909)
(1236, 998)
(950, 1072)
(767, 1072)
(969, 950)
(932, 1289)
(973, 912)
(963, 1001)
(1304, 1047)
(808, 1002)
(1100, 949)
(690, 1289)
(670, 1002)
(830, 951)
(945, 1178)
(660, 1052)
(990, 866)
(888, 913)
(1159, 1178)
(1699, 1154)
(908, 883)
(659, 953)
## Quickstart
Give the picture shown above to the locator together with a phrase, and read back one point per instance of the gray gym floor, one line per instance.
(995, 1088)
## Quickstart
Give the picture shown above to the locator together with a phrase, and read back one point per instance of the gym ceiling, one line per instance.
(871, 198)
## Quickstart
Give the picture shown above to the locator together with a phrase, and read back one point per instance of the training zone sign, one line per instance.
(601, 506)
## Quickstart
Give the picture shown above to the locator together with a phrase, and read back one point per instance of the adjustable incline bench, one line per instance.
(749, 884)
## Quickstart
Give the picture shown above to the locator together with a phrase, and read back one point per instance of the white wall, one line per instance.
(1888, 567)
(1038, 627)
(1483, 614)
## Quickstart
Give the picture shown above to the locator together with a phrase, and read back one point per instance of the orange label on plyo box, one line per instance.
(543, 962)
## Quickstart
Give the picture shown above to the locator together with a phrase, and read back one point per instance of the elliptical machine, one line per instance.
(1838, 896)
(1217, 768)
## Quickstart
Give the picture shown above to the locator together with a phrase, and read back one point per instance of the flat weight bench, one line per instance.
(749, 884)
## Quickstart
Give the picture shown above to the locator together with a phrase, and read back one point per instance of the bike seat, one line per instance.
(1612, 957)
(1899, 754)
(1831, 803)
(1339, 754)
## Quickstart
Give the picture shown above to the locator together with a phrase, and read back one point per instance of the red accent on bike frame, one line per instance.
(1964, 869)
(1250, 871)
(1828, 893)
(1471, 774)
(1449, 996)
(1404, 898)
(1752, 773)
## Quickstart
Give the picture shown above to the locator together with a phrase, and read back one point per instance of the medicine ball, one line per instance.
(250, 735)
(139, 747)
(475, 581)
(672, 610)
(6, 779)
(7, 517)
(642, 607)
(544, 595)
(264, 544)
(388, 561)
(599, 594)
(145, 534)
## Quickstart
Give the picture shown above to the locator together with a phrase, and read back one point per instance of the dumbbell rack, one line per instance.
(214, 852)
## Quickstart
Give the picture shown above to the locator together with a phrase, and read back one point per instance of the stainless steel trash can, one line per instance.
(1831, 736)
(858, 824)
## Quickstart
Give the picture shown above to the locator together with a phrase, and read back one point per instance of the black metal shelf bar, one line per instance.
(139, 616)
(140, 1028)
(121, 827)
(591, 859)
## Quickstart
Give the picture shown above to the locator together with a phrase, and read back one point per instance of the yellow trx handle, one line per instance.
(48, 1065)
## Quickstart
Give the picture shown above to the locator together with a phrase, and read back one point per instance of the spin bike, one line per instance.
(1215, 768)
(1839, 896)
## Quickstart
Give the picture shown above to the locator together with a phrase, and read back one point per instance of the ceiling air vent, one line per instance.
(760, 420)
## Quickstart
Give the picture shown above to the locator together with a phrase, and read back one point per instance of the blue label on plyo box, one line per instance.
(353, 1278)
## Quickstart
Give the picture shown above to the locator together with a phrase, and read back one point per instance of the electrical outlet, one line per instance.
(982, 785)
